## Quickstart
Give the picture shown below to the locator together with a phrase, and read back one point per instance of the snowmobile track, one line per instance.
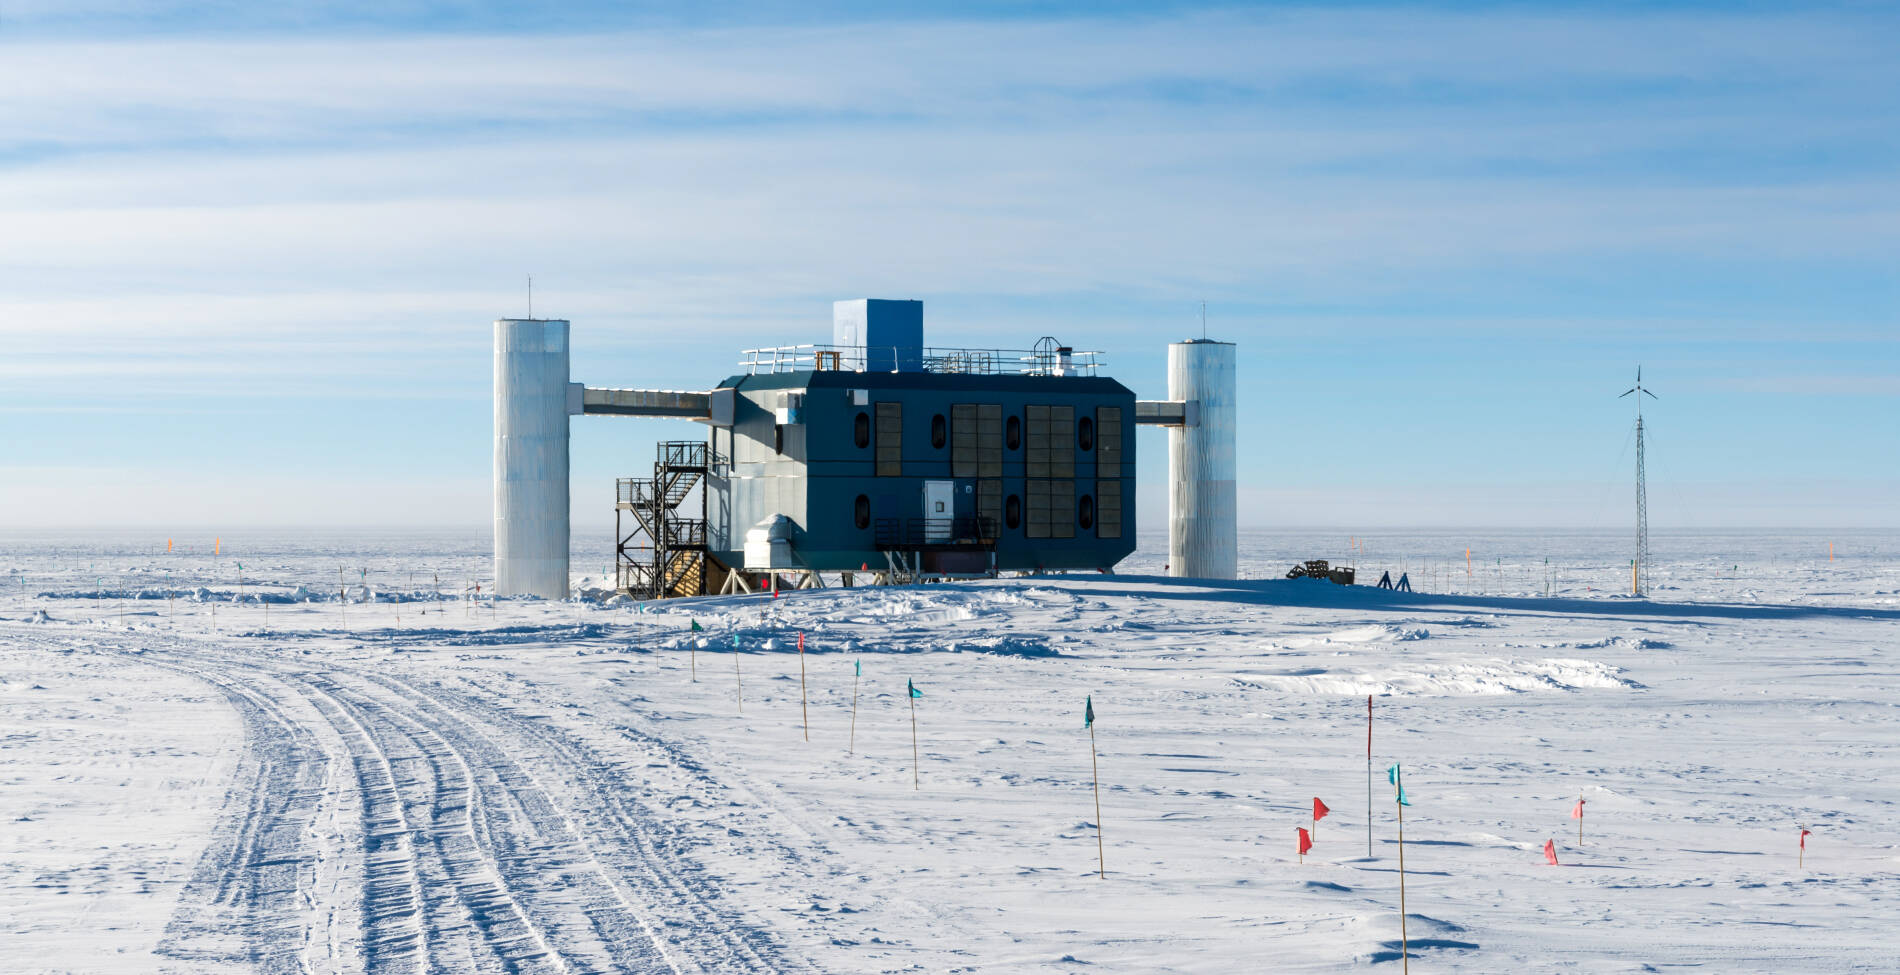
(469, 861)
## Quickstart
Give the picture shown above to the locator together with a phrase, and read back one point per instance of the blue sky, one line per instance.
(252, 250)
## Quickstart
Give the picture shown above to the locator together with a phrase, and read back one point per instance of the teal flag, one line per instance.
(857, 668)
(735, 641)
(1088, 711)
(914, 692)
(1392, 776)
(696, 627)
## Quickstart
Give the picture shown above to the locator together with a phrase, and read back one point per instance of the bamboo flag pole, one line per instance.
(692, 648)
(737, 684)
(912, 693)
(1405, 952)
(343, 597)
(1088, 721)
(857, 671)
(802, 706)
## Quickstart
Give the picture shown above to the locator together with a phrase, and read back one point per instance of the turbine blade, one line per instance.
(1625, 393)
(1650, 394)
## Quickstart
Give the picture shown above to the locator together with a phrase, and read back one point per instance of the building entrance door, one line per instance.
(940, 508)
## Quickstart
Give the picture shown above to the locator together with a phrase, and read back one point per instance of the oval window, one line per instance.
(1085, 512)
(861, 511)
(1085, 434)
(939, 431)
(1013, 433)
(861, 429)
(1013, 511)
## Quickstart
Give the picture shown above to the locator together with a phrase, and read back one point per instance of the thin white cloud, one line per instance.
(269, 217)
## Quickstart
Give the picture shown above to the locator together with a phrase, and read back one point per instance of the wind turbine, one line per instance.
(1639, 570)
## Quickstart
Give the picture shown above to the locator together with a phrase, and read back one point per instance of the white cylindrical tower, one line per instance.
(531, 458)
(1203, 540)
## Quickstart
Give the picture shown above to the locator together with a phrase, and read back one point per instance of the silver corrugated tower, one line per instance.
(531, 500)
(1202, 528)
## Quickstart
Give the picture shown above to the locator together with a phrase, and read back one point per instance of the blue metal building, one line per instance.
(873, 454)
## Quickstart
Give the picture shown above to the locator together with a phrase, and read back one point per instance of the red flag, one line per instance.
(1550, 851)
(1804, 839)
(1576, 811)
(801, 641)
(1306, 840)
(1319, 809)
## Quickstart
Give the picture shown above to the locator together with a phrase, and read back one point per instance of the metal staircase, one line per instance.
(661, 554)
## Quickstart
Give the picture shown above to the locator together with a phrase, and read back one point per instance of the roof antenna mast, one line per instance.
(1203, 318)
(531, 297)
(1639, 569)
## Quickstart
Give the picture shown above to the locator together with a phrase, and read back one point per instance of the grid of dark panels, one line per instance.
(1051, 507)
(976, 440)
(890, 440)
(1050, 443)
(1108, 468)
(1108, 508)
(1049, 458)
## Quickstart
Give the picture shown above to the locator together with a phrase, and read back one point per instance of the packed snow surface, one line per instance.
(344, 758)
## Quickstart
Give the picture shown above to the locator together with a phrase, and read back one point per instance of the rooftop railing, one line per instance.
(1042, 361)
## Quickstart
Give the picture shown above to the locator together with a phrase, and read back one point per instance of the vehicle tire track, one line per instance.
(490, 842)
(538, 840)
(392, 902)
(710, 938)
(245, 901)
(466, 908)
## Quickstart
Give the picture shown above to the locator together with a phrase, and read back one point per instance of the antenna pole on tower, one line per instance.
(1639, 569)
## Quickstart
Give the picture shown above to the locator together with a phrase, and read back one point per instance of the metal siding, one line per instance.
(1202, 524)
(531, 458)
(838, 471)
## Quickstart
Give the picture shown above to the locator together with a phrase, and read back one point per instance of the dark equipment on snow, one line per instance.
(1320, 569)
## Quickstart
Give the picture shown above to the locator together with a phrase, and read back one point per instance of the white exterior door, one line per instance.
(940, 508)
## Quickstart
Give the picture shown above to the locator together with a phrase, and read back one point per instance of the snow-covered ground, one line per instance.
(415, 781)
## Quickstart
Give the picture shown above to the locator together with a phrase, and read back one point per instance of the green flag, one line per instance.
(914, 692)
(1088, 711)
(857, 668)
(696, 627)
